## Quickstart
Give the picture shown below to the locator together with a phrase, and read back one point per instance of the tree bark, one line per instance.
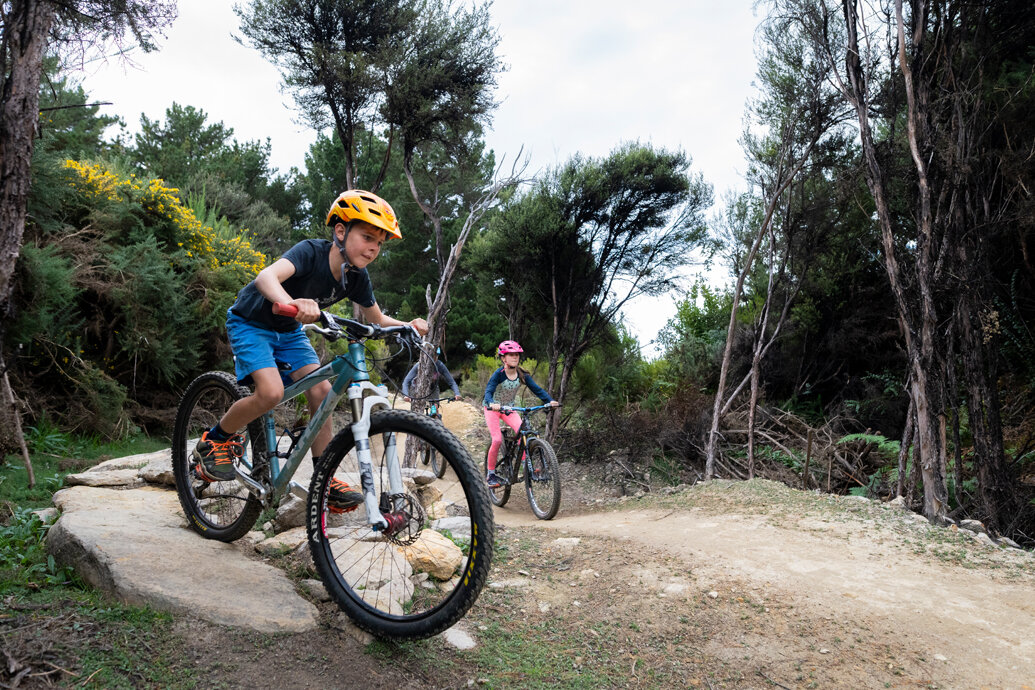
(917, 329)
(925, 360)
(903, 450)
(25, 30)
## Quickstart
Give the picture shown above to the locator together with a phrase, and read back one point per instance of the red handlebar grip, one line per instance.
(282, 309)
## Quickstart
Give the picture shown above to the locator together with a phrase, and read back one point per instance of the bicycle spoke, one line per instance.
(405, 582)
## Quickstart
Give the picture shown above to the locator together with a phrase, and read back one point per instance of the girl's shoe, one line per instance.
(493, 481)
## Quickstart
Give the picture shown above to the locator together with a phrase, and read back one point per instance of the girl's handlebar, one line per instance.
(524, 410)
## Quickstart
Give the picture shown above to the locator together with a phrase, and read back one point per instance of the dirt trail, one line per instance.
(984, 628)
(975, 626)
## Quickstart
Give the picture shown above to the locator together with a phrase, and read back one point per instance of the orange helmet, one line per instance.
(356, 204)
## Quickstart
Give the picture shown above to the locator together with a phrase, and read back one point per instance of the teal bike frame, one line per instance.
(351, 379)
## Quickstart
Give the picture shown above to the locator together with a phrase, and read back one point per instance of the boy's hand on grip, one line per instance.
(284, 309)
(303, 310)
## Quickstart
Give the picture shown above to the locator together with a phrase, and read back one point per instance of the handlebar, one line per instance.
(525, 410)
(336, 327)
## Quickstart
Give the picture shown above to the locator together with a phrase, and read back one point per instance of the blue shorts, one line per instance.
(256, 347)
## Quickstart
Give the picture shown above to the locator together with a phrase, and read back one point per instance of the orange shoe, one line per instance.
(342, 498)
(215, 459)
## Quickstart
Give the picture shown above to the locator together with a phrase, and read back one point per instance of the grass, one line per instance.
(71, 636)
(55, 454)
(52, 627)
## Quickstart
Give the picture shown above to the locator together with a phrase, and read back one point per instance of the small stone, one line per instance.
(458, 638)
(940, 657)
(824, 651)
(713, 594)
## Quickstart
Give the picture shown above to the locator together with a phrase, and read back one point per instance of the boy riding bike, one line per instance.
(312, 275)
(501, 392)
(439, 372)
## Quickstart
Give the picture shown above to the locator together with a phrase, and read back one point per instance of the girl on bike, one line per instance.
(501, 392)
(312, 275)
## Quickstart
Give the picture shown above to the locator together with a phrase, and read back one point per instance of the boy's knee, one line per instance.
(268, 397)
(317, 393)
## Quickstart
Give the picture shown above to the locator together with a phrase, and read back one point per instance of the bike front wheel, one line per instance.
(501, 494)
(215, 510)
(421, 575)
(437, 465)
(542, 479)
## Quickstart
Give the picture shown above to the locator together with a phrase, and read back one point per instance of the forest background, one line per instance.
(876, 337)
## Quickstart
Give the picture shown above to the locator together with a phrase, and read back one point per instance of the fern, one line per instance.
(886, 446)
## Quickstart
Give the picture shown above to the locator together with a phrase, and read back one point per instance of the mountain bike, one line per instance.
(526, 457)
(369, 556)
(427, 454)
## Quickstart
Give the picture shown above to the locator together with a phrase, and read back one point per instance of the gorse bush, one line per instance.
(173, 223)
(120, 297)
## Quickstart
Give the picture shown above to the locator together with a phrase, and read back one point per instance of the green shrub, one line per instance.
(46, 297)
(24, 562)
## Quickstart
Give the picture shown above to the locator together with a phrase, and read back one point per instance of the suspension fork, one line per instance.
(361, 408)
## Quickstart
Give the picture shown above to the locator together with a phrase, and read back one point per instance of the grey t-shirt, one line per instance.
(312, 279)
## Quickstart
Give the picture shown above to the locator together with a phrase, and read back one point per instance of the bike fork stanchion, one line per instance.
(361, 434)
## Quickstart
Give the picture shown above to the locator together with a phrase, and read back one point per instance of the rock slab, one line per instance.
(135, 545)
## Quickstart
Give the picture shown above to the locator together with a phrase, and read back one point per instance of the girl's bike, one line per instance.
(527, 457)
(375, 559)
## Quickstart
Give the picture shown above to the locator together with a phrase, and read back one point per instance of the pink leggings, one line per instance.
(492, 419)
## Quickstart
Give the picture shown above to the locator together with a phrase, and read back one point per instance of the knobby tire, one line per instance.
(224, 511)
(370, 576)
(543, 483)
(501, 494)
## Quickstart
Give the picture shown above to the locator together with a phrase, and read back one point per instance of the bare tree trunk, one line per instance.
(903, 450)
(7, 395)
(784, 179)
(932, 449)
(25, 28)
(918, 331)
(438, 304)
(752, 406)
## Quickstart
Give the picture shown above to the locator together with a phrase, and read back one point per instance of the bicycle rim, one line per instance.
(216, 510)
(543, 482)
(421, 580)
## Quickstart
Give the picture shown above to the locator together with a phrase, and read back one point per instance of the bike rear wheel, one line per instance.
(501, 494)
(542, 479)
(419, 580)
(215, 510)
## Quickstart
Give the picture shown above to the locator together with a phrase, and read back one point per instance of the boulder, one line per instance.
(135, 545)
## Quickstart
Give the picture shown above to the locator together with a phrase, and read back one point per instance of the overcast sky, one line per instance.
(584, 76)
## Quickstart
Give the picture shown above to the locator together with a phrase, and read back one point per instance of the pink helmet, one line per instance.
(508, 346)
